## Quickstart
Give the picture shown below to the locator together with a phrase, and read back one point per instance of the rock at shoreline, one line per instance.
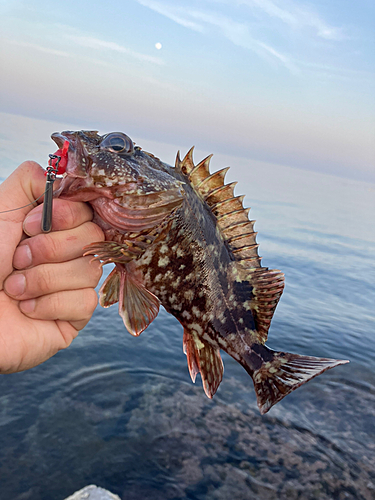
(93, 492)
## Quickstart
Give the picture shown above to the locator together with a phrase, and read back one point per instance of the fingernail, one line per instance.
(32, 224)
(27, 306)
(15, 285)
(22, 257)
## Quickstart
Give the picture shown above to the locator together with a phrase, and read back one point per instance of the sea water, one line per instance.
(122, 412)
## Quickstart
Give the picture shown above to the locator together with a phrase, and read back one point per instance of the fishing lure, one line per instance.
(56, 166)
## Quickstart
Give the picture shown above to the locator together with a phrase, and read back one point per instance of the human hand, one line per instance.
(46, 287)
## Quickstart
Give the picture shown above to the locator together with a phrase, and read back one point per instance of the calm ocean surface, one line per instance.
(122, 412)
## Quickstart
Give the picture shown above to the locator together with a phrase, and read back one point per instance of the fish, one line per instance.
(181, 238)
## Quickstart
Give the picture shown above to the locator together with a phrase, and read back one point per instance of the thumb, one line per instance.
(22, 187)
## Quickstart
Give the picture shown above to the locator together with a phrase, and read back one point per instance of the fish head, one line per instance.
(109, 163)
(119, 179)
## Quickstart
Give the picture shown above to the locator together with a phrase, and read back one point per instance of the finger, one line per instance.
(65, 215)
(50, 278)
(21, 188)
(75, 306)
(58, 246)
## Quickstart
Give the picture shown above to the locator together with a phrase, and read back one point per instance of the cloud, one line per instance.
(297, 17)
(236, 32)
(98, 44)
(167, 11)
(339, 73)
(40, 48)
(86, 41)
(239, 34)
(273, 10)
(275, 30)
(281, 57)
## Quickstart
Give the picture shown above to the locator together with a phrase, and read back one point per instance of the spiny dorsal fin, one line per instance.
(177, 163)
(187, 164)
(200, 171)
(239, 229)
(242, 240)
(232, 218)
(221, 193)
(229, 218)
(211, 182)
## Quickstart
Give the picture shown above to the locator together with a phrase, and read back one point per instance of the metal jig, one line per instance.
(56, 166)
(52, 169)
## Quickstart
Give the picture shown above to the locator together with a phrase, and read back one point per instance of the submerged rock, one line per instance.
(93, 492)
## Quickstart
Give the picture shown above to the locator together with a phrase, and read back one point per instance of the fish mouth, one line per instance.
(76, 183)
(76, 153)
(75, 189)
(59, 139)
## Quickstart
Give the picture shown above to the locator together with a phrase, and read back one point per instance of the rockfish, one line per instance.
(179, 237)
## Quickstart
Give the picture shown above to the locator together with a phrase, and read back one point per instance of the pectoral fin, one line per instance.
(205, 359)
(137, 306)
(111, 251)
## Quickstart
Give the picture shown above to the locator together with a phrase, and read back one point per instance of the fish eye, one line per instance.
(117, 143)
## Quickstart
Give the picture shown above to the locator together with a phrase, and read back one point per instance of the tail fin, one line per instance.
(284, 372)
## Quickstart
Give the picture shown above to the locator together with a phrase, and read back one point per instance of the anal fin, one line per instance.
(204, 359)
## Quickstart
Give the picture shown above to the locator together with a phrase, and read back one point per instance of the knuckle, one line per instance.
(68, 334)
(97, 231)
(29, 166)
(44, 279)
(90, 301)
(96, 271)
(93, 232)
(51, 303)
(72, 214)
(91, 271)
(52, 248)
(65, 215)
(46, 247)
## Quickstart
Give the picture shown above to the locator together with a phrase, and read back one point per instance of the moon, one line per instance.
(158, 45)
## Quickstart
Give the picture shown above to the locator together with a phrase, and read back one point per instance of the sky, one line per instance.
(290, 82)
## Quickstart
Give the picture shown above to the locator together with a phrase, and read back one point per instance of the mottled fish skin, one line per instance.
(190, 277)
(181, 238)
